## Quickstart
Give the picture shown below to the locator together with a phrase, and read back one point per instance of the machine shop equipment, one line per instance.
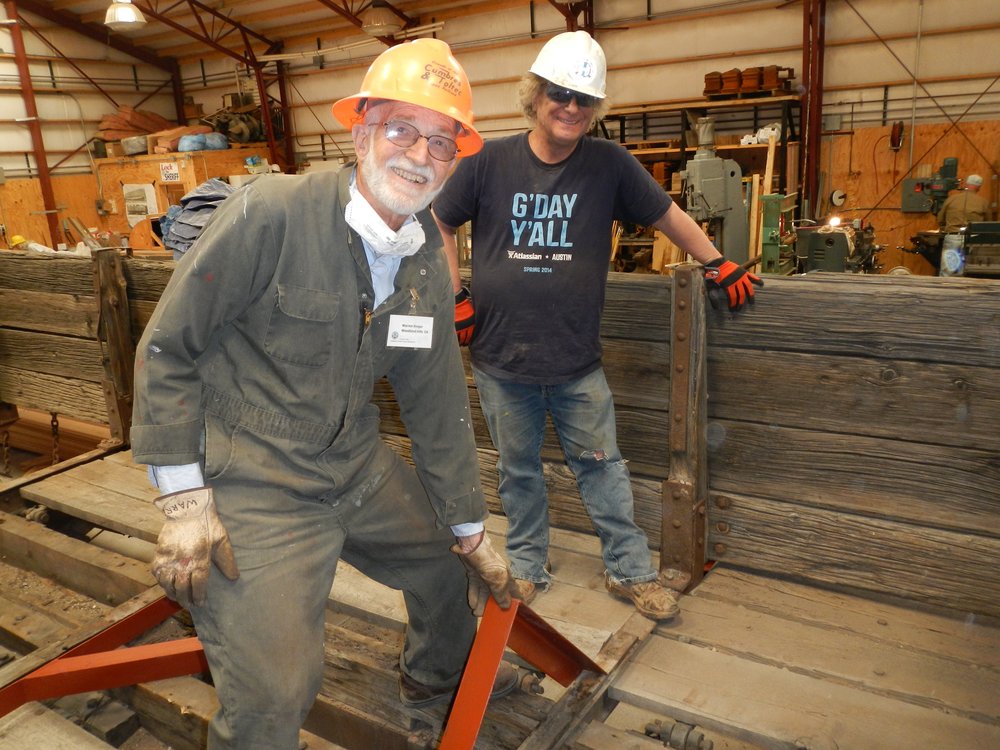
(713, 192)
(921, 195)
(777, 234)
(849, 248)
(973, 252)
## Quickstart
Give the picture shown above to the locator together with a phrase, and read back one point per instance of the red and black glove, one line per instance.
(465, 316)
(733, 279)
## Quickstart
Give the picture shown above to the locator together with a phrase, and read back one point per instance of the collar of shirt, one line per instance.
(383, 269)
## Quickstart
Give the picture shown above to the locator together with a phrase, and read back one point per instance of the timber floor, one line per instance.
(751, 662)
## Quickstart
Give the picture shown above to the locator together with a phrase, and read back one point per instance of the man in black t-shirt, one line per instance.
(541, 205)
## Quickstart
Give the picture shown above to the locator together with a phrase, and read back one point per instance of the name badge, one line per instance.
(410, 331)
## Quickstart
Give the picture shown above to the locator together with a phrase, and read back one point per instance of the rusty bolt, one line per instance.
(722, 527)
(682, 282)
(682, 305)
(722, 502)
(720, 549)
(681, 336)
(677, 524)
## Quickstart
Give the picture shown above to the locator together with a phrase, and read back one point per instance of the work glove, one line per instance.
(733, 279)
(465, 316)
(192, 538)
(488, 574)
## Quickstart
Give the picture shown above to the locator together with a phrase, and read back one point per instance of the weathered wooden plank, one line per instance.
(953, 637)
(781, 709)
(587, 694)
(33, 727)
(69, 314)
(642, 433)
(599, 736)
(638, 372)
(922, 563)
(46, 273)
(64, 356)
(863, 660)
(177, 710)
(30, 662)
(24, 628)
(949, 404)
(40, 474)
(99, 503)
(576, 604)
(98, 573)
(362, 672)
(146, 279)
(565, 506)
(924, 319)
(75, 398)
(926, 484)
(637, 306)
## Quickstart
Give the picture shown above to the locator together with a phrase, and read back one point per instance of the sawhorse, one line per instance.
(99, 663)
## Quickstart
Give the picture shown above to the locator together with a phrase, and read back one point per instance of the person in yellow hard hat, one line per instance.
(254, 411)
(542, 205)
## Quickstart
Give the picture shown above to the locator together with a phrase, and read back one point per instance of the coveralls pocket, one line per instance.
(299, 330)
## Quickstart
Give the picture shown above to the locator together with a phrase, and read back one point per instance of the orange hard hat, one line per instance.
(421, 72)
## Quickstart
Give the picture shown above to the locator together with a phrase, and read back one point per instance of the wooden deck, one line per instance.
(752, 662)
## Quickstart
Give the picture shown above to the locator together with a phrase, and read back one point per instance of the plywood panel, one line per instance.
(862, 164)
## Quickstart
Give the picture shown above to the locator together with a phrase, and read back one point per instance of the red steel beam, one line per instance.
(34, 125)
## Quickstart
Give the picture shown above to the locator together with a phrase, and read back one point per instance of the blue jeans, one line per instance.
(584, 417)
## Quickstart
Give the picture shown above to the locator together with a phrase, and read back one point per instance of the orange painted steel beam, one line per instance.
(69, 675)
(98, 664)
(528, 635)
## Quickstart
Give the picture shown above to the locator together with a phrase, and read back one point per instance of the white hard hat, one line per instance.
(574, 60)
(973, 179)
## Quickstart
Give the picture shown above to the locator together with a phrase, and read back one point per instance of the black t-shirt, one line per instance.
(541, 244)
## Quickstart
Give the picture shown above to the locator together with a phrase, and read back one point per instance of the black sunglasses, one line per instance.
(561, 95)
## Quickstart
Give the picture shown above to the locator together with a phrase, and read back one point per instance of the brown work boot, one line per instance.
(650, 598)
(413, 694)
(526, 591)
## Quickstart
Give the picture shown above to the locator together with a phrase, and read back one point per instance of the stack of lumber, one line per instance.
(128, 122)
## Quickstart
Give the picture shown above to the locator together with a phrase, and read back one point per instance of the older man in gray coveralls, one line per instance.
(254, 411)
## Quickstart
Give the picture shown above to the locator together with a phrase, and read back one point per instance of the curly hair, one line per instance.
(532, 86)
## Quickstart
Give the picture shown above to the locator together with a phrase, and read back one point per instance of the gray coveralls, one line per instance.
(264, 348)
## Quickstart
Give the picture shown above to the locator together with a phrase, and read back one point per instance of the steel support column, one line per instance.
(813, 53)
(34, 125)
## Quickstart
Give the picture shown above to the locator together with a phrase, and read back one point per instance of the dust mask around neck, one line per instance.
(364, 220)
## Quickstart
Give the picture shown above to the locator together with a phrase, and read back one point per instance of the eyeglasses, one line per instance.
(561, 95)
(405, 135)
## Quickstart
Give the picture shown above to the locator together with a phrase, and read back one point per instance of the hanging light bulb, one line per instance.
(122, 15)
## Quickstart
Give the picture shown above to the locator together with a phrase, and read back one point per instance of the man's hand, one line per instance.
(733, 279)
(465, 316)
(192, 538)
(488, 574)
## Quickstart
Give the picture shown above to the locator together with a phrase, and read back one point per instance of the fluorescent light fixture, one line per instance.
(122, 15)
(379, 20)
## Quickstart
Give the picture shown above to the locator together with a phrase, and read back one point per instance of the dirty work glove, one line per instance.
(192, 538)
(465, 316)
(488, 574)
(732, 279)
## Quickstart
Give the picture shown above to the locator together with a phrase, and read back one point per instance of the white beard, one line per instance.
(386, 191)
